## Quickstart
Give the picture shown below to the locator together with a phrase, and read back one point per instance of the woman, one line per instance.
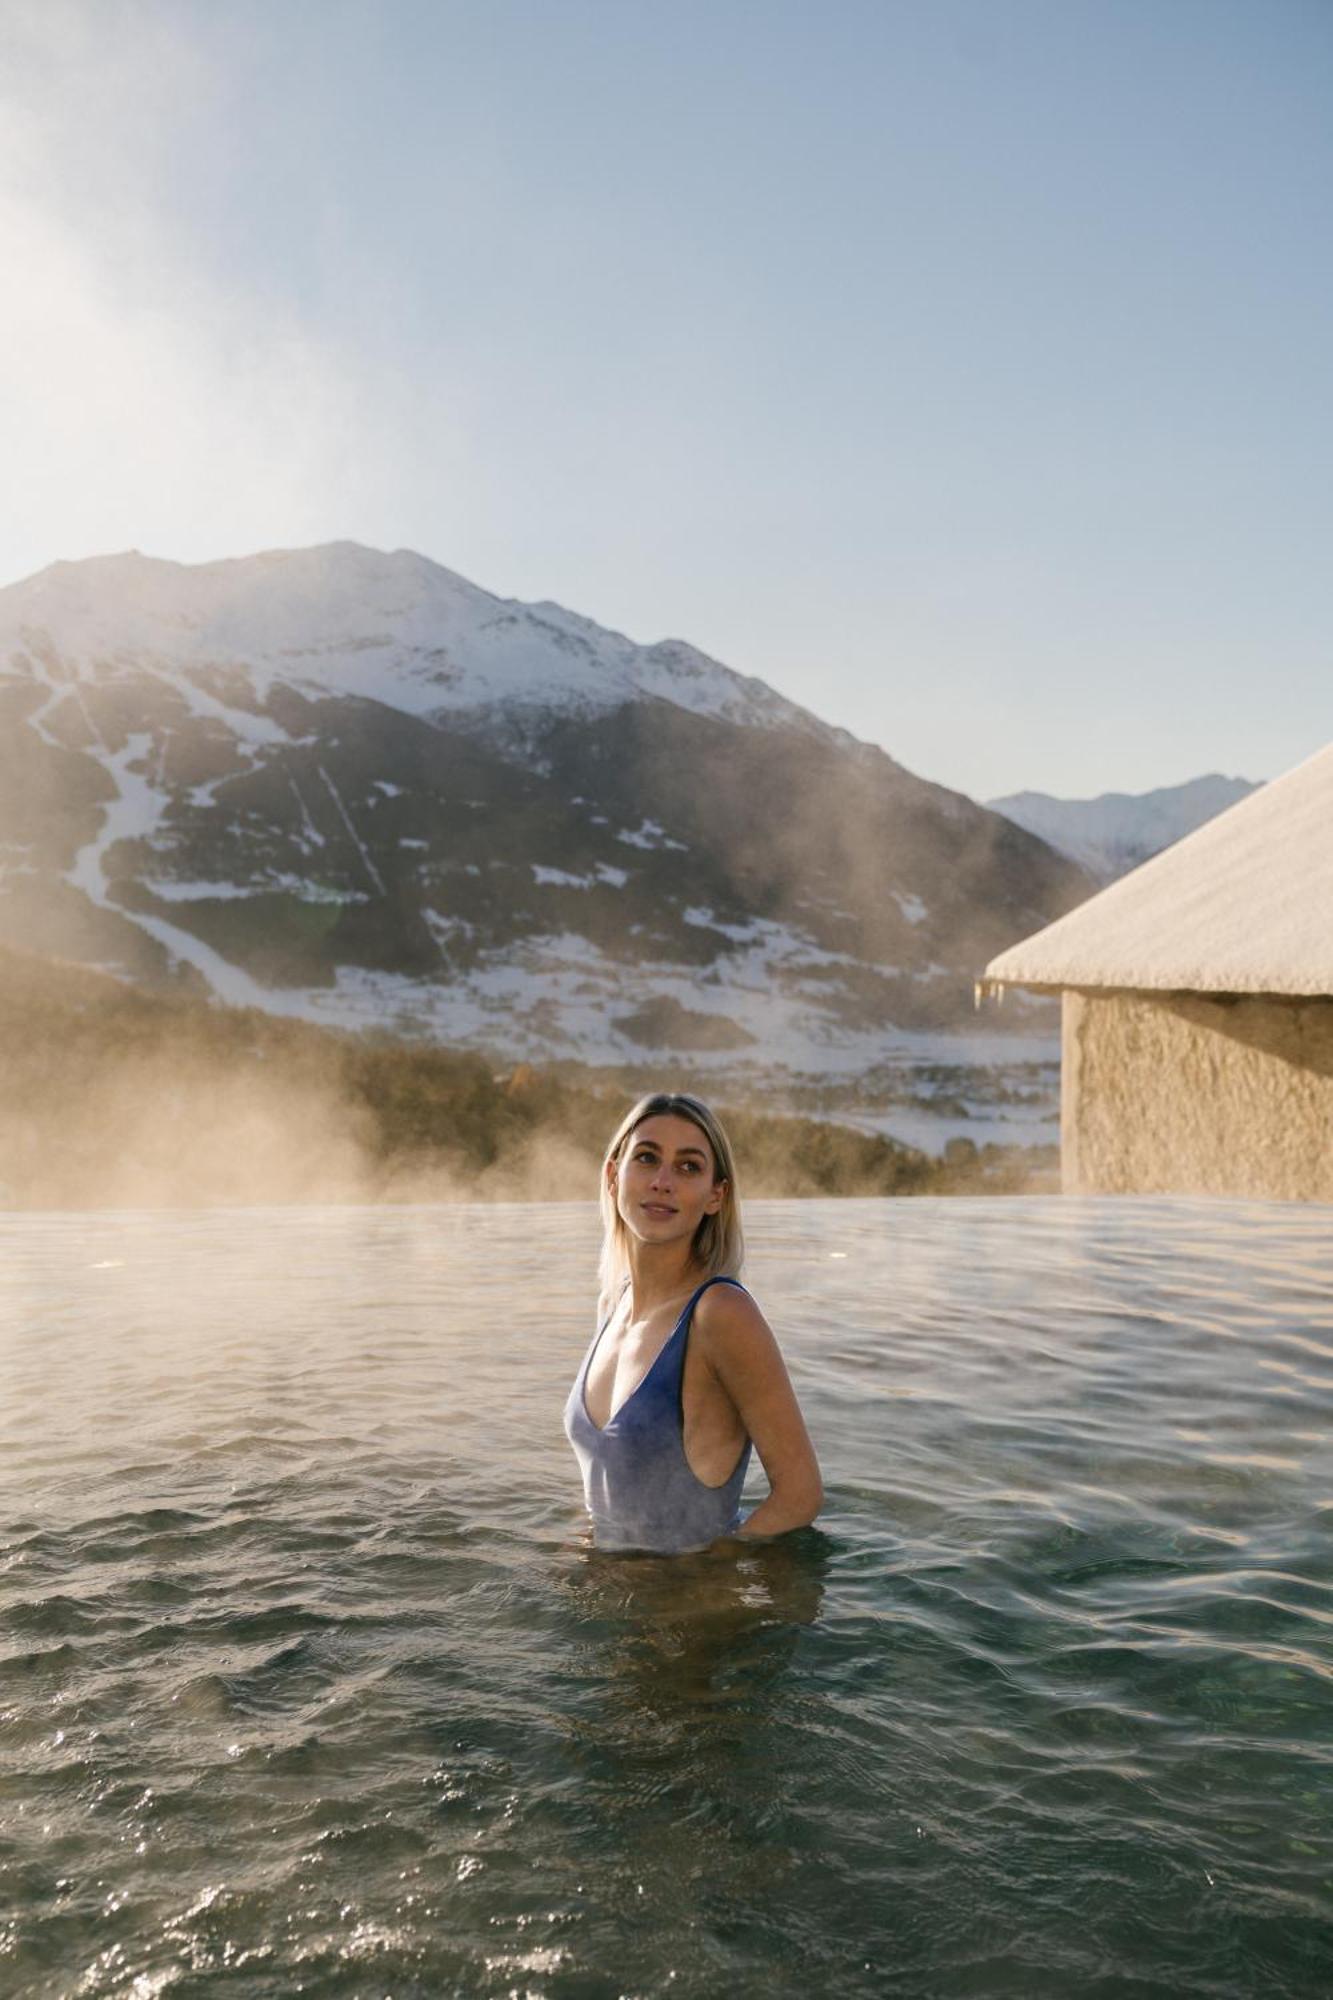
(662, 1423)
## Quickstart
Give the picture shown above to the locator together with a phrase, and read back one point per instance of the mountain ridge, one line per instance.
(292, 615)
(358, 788)
(1117, 831)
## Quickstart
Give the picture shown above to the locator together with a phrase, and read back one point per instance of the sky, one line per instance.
(962, 368)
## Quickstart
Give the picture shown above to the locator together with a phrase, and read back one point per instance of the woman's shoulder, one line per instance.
(737, 1341)
(727, 1312)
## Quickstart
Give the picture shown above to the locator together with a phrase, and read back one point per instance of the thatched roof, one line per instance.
(1244, 904)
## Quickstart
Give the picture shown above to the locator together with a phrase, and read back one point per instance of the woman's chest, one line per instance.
(623, 1364)
(670, 1385)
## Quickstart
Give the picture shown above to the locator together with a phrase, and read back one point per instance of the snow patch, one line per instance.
(197, 892)
(258, 732)
(132, 815)
(604, 875)
(702, 918)
(558, 878)
(443, 928)
(270, 885)
(650, 835)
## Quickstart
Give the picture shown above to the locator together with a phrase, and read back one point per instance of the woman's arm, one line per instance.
(748, 1362)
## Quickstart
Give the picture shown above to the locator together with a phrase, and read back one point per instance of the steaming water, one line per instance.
(312, 1685)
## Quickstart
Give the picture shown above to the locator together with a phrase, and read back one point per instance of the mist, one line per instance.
(115, 1097)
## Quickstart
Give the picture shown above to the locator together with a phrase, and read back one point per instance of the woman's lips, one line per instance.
(657, 1208)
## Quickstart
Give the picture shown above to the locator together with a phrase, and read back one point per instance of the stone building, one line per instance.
(1197, 1040)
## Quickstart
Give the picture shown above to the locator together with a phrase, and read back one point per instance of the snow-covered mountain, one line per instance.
(356, 787)
(1111, 834)
(342, 620)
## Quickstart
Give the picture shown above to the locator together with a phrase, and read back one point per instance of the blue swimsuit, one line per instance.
(637, 1480)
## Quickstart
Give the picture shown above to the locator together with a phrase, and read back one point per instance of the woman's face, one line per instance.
(664, 1181)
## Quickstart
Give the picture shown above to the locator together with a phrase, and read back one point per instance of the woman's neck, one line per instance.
(658, 1275)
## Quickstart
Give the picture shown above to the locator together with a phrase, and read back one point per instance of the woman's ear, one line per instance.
(717, 1195)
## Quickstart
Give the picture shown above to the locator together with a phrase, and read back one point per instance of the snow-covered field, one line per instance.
(560, 1001)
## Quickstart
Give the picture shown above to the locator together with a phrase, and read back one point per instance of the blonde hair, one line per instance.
(719, 1246)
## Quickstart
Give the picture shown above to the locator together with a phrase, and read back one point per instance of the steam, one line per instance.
(111, 1097)
(114, 1098)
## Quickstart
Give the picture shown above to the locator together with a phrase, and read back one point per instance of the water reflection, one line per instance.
(691, 1655)
(672, 1628)
(692, 1731)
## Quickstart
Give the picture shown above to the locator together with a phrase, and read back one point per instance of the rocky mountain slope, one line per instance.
(1111, 834)
(356, 788)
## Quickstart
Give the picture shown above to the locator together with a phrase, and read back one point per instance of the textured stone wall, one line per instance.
(1175, 1093)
